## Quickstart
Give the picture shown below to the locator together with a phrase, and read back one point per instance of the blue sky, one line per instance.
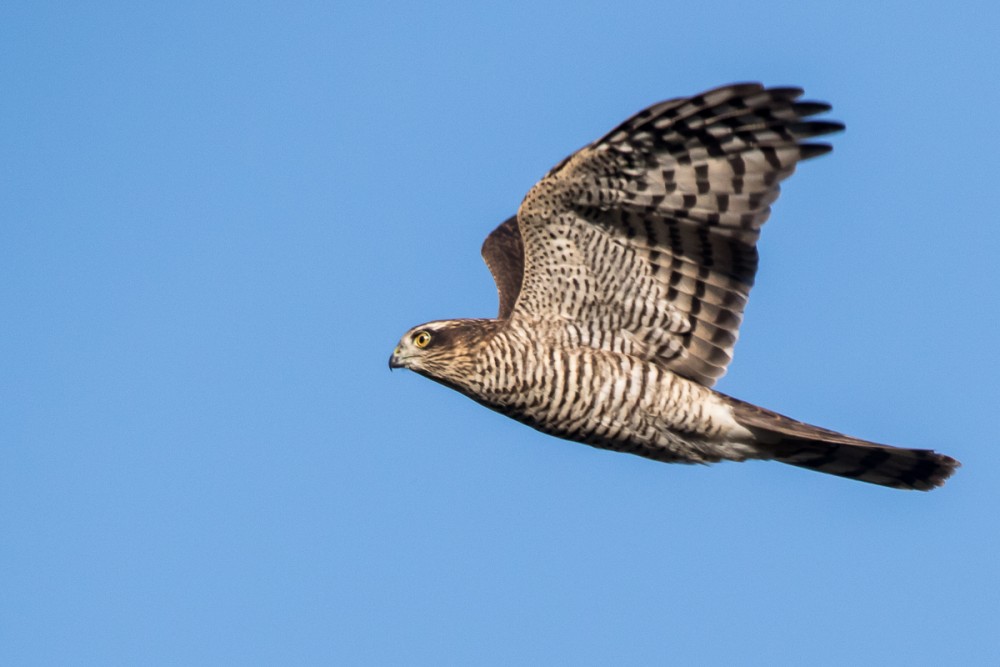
(216, 219)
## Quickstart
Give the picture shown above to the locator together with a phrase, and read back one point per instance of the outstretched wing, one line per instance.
(503, 253)
(646, 238)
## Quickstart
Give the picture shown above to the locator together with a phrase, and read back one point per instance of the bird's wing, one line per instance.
(503, 253)
(646, 238)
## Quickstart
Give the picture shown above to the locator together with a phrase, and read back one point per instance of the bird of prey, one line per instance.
(622, 282)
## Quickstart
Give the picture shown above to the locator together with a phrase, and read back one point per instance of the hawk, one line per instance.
(622, 282)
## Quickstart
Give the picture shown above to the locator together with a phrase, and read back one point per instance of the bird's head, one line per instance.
(444, 350)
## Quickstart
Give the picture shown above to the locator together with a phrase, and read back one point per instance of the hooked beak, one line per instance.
(394, 360)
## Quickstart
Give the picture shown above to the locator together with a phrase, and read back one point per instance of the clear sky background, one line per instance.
(216, 220)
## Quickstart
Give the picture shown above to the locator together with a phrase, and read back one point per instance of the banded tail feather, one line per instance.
(896, 467)
(786, 440)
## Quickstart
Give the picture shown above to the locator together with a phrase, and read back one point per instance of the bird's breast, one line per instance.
(559, 386)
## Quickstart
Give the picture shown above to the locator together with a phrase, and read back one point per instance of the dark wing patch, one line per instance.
(503, 253)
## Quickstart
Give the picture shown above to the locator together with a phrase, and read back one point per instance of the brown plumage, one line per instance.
(622, 282)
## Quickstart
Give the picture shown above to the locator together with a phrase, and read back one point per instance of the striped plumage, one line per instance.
(622, 283)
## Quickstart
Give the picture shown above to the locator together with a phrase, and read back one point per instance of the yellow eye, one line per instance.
(422, 339)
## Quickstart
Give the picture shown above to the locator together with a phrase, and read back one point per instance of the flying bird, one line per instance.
(622, 283)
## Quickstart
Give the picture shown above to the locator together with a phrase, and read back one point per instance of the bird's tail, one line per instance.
(783, 439)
